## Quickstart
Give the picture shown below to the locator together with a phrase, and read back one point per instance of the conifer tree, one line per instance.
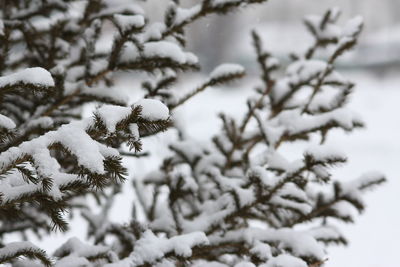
(221, 204)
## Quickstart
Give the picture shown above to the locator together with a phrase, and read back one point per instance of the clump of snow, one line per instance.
(285, 260)
(226, 69)
(72, 261)
(263, 176)
(261, 250)
(111, 115)
(82, 145)
(304, 70)
(153, 110)
(244, 264)
(89, 154)
(353, 26)
(280, 89)
(16, 246)
(323, 152)
(6, 122)
(186, 14)
(151, 248)
(42, 122)
(75, 247)
(1, 27)
(129, 53)
(122, 7)
(296, 123)
(325, 232)
(134, 129)
(154, 31)
(165, 49)
(37, 76)
(127, 22)
(301, 244)
(158, 49)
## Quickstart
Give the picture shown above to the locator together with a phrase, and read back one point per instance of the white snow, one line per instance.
(261, 250)
(325, 232)
(300, 243)
(297, 123)
(1, 27)
(276, 161)
(37, 76)
(129, 53)
(127, 22)
(80, 144)
(353, 26)
(169, 50)
(323, 152)
(111, 115)
(14, 247)
(72, 261)
(89, 154)
(154, 31)
(226, 69)
(262, 174)
(121, 7)
(151, 248)
(244, 264)
(153, 110)
(6, 122)
(134, 129)
(158, 49)
(76, 247)
(304, 70)
(186, 14)
(43, 122)
(285, 260)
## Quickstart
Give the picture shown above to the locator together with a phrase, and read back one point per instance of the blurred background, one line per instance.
(375, 68)
(217, 39)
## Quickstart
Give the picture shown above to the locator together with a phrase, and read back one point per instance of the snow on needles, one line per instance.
(153, 110)
(111, 115)
(75, 247)
(36, 76)
(164, 49)
(89, 153)
(151, 248)
(126, 22)
(159, 49)
(16, 246)
(6, 122)
(353, 26)
(227, 68)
